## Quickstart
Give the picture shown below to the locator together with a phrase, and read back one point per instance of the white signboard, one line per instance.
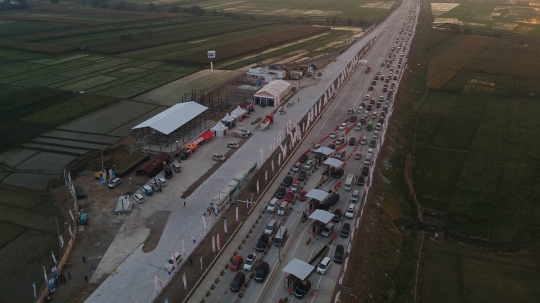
(211, 54)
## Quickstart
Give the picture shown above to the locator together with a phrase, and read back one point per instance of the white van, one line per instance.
(270, 228)
(323, 266)
(282, 210)
(349, 182)
(272, 205)
(328, 230)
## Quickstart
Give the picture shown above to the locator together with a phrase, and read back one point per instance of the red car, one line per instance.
(289, 196)
(237, 263)
(302, 196)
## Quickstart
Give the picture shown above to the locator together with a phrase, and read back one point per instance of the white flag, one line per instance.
(265, 179)
(70, 232)
(265, 173)
(204, 222)
(174, 260)
(184, 279)
(272, 168)
(71, 214)
(45, 275)
(237, 214)
(61, 239)
(183, 249)
(213, 245)
(192, 236)
(218, 243)
(53, 257)
(157, 283)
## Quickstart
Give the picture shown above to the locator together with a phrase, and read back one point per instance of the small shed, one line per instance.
(273, 93)
(155, 166)
(238, 113)
(228, 121)
(219, 129)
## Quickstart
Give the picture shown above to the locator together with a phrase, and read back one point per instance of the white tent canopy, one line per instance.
(299, 269)
(238, 112)
(322, 215)
(173, 118)
(333, 162)
(227, 118)
(276, 90)
(324, 150)
(219, 127)
(317, 194)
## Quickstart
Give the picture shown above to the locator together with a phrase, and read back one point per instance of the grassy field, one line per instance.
(456, 274)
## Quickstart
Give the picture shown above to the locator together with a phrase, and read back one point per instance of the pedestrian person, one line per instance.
(84, 259)
(86, 278)
(191, 262)
(184, 203)
(69, 274)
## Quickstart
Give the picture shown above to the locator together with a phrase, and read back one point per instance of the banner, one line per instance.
(225, 226)
(237, 214)
(53, 257)
(213, 245)
(183, 249)
(265, 176)
(201, 265)
(157, 283)
(218, 243)
(258, 192)
(184, 279)
(34, 286)
(204, 222)
(45, 275)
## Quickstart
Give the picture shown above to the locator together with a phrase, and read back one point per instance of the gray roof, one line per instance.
(299, 268)
(322, 215)
(324, 150)
(333, 162)
(317, 194)
(173, 118)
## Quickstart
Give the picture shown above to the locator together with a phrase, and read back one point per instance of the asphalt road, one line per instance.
(351, 96)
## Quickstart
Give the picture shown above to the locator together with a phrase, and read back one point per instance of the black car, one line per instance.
(372, 101)
(185, 155)
(371, 88)
(338, 255)
(352, 141)
(332, 146)
(369, 107)
(302, 175)
(372, 143)
(363, 104)
(373, 82)
(262, 243)
(381, 120)
(337, 215)
(385, 109)
(353, 118)
(378, 105)
(303, 158)
(287, 181)
(363, 121)
(365, 170)
(302, 289)
(333, 199)
(261, 272)
(281, 192)
(360, 181)
(338, 173)
(345, 230)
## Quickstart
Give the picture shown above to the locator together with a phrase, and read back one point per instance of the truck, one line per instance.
(370, 125)
(168, 171)
(368, 70)
(266, 122)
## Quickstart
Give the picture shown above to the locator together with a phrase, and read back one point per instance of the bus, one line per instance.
(370, 125)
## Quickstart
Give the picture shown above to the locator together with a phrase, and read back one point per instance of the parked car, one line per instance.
(114, 183)
(281, 192)
(365, 170)
(360, 181)
(302, 288)
(233, 145)
(333, 135)
(375, 134)
(250, 261)
(340, 154)
(262, 272)
(331, 146)
(333, 199)
(315, 148)
(262, 243)
(353, 118)
(352, 141)
(343, 126)
(295, 185)
(350, 211)
(272, 205)
(303, 158)
(372, 143)
(139, 198)
(338, 173)
(161, 182)
(287, 181)
(237, 263)
(308, 165)
(218, 157)
(363, 141)
(302, 196)
(358, 155)
(337, 215)
(340, 140)
(296, 167)
(324, 265)
(302, 175)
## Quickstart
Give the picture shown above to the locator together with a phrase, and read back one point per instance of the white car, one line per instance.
(343, 126)
(363, 141)
(349, 213)
(376, 134)
(295, 186)
(308, 165)
(282, 112)
(370, 152)
(114, 183)
(272, 205)
(250, 261)
(315, 148)
(340, 141)
(139, 198)
(218, 157)
(161, 181)
(333, 135)
(324, 265)
(296, 167)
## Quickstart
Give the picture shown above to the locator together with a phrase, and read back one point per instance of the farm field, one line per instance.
(456, 273)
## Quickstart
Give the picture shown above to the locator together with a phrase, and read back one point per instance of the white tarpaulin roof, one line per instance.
(333, 162)
(274, 88)
(227, 118)
(299, 268)
(171, 119)
(322, 215)
(238, 112)
(219, 127)
(317, 194)
(324, 150)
